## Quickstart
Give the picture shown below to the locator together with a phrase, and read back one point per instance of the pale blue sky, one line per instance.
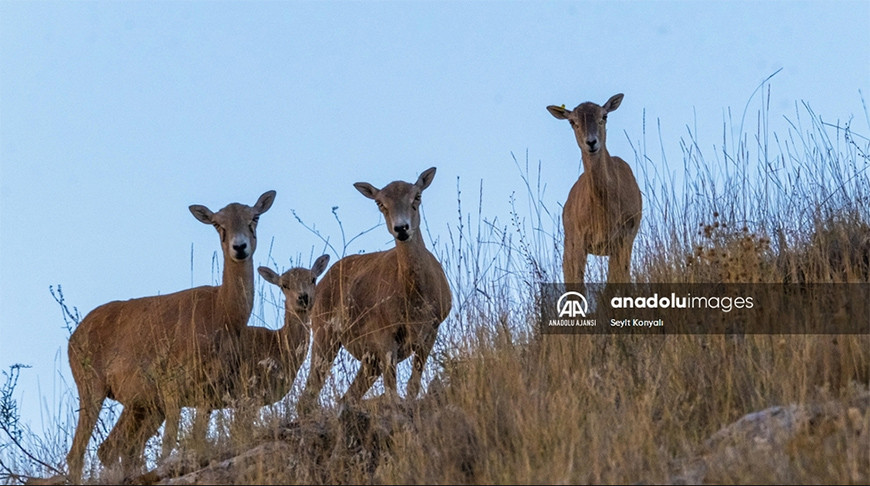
(115, 117)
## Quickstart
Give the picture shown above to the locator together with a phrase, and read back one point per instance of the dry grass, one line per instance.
(506, 404)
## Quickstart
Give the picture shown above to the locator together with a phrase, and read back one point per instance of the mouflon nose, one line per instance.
(303, 300)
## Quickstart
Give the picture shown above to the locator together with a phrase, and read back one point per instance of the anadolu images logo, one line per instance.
(572, 304)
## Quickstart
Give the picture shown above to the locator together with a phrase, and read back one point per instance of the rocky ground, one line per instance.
(783, 444)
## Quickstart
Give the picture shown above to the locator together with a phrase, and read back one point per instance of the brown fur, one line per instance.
(268, 360)
(154, 354)
(603, 210)
(384, 306)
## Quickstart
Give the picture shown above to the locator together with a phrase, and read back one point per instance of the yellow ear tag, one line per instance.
(563, 107)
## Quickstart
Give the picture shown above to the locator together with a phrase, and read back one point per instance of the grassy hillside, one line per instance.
(507, 404)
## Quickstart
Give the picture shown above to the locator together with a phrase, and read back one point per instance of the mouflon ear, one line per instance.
(559, 112)
(320, 265)
(202, 213)
(613, 103)
(265, 202)
(425, 178)
(367, 189)
(269, 275)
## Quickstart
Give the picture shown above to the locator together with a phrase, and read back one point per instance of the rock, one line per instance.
(787, 445)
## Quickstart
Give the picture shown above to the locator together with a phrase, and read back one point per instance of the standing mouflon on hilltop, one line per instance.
(383, 306)
(268, 360)
(155, 354)
(603, 210)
